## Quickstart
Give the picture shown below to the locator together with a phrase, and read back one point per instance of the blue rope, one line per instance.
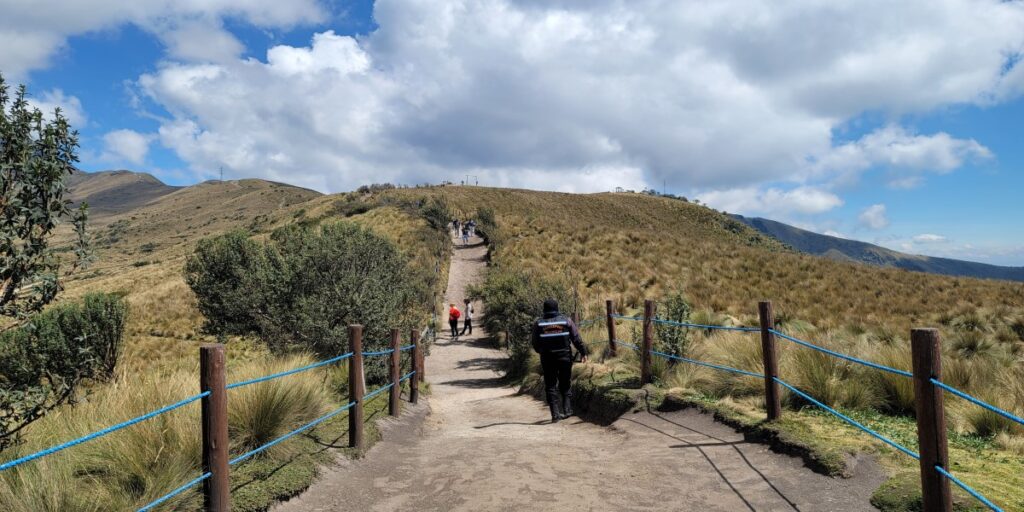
(175, 492)
(638, 318)
(710, 327)
(378, 391)
(972, 492)
(975, 401)
(709, 365)
(623, 343)
(380, 353)
(410, 374)
(407, 347)
(307, 426)
(288, 372)
(849, 420)
(842, 356)
(94, 435)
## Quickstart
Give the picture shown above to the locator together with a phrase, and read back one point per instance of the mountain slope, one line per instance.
(852, 250)
(112, 192)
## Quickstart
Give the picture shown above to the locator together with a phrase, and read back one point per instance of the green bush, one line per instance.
(303, 287)
(671, 339)
(43, 362)
(514, 300)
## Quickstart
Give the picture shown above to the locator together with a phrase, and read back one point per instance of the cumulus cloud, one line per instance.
(126, 146)
(874, 217)
(32, 32)
(773, 201)
(70, 106)
(701, 96)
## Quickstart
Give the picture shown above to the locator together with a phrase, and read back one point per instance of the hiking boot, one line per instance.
(555, 416)
(567, 405)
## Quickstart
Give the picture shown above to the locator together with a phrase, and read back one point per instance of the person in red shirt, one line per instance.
(453, 320)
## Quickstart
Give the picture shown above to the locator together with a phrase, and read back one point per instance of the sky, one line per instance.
(897, 123)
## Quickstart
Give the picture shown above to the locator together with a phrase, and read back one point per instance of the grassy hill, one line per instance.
(853, 250)
(631, 246)
(111, 192)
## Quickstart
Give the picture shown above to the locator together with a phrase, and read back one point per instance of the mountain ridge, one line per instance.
(843, 249)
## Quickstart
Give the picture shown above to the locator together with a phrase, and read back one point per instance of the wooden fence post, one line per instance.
(926, 352)
(648, 343)
(356, 387)
(394, 394)
(772, 397)
(414, 381)
(609, 308)
(216, 489)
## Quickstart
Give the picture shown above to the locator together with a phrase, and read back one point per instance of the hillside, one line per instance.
(853, 250)
(112, 192)
(633, 246)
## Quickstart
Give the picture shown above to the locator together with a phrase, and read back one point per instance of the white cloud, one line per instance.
(928, 238)
(873, 217)
(126, 146)
(70, 106)
(705, 96)
(773, 201)
(32, 32)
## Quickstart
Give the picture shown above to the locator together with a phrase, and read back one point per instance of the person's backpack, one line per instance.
(454, 313)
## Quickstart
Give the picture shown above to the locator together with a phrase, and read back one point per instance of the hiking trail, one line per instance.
(477, 445)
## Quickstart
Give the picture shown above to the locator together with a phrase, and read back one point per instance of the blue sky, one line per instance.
(893, 124)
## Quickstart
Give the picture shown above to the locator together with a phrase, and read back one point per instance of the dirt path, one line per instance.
(482, 447)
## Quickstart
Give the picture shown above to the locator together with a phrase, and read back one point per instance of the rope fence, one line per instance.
(927, 365)
(214, 411)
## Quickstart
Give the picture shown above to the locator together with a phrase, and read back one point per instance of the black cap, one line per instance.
(550, 306)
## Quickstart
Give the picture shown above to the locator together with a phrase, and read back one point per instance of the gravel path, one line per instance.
(479, 446)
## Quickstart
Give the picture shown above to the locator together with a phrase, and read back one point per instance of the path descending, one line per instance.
(482, 447)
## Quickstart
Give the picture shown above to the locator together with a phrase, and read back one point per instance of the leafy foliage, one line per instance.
(303, 287)
(35, 157)
(44, 362)
(670, 339)
(514, 299)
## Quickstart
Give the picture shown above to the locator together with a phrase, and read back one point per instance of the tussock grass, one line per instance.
(262, 412)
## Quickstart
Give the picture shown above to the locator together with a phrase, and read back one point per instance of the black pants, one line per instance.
(557, 375)
(467, 326)
(454, 323)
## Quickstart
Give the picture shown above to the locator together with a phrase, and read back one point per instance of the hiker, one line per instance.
(453, 320)
(465, 234)
(455, 226)
(554, 335)
(467, 324)
(472, 227)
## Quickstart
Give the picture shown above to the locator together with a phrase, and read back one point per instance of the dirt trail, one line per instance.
(482, 447)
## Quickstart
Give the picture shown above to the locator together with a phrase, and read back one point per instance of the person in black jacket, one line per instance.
(553, 337)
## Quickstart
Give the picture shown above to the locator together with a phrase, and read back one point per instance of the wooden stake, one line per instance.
(926, 350)
(772, 396)
(609, 308)
(356, 387)
(216, 489)
(648, 344)
(414, 381)
(394, 394)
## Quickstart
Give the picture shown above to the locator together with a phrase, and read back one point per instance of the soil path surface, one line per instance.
(477, 445)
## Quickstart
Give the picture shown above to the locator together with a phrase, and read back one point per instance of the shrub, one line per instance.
(44, 362)
(671, 339)
(300, 289)
(830, 380)
(514, 300)
(737, 350)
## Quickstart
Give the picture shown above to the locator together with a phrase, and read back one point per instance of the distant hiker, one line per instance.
(455, 226)
(553, 337)
(453, 320)
(472, 227)
(467, 324)
(465, 234)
